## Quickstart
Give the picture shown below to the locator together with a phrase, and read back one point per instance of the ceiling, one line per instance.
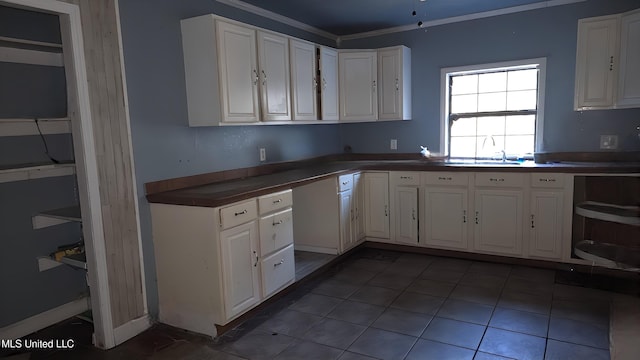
(346, 17)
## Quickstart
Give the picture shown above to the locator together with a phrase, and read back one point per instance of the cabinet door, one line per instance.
(303, 80)
(358, 86)
(445, 218)
(238, 73)
(273, 62)
(346, 219)
(239, 253)
(406, 217)
(629, 76)
(545, 224)
(329, 101)
(376, 204)
(358, 208)
(498, 221)
(394, 95)
(596, 68)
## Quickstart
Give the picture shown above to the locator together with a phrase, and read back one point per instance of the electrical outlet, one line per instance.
(608, 142)
(263, 154)
(394, 144)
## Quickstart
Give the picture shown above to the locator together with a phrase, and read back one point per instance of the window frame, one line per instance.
(447, 73)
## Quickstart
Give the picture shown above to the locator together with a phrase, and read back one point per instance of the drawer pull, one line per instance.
(477, 222)
(413, 214)
(386, 212)
(279, 263)
(547, 180)
(278, 222)
(533, 221)
(406, 177)
(277, 201)
(345, 182)
(256, 254)
(494, 179)
(448, 178)
(464, 216)
(241, 212)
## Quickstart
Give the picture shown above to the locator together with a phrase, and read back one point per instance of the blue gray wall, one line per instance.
(549, 33)
(28, 91)
(163, 144)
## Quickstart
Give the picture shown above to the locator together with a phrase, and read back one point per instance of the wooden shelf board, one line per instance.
(78, 260)
(56, 217)
(32, 57)
(629, 215)
(30, 42)
(25, 127)
(609, 255)
(35, 171)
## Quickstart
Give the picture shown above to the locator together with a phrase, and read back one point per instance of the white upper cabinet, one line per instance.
(394, 77)
(358, 85)
(629, 80)
(273, 62)
(608, 62)
(303, 80)
(329, 100)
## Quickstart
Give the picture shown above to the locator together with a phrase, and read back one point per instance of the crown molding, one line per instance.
(280, 18)
(455, 19)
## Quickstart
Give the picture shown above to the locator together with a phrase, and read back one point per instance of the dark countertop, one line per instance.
(226, 192)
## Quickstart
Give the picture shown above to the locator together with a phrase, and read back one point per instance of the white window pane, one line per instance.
(464, 84)
(522, 80)
(492, 82)
(463, 146)
(519, 145)
(521, 125)
(522, 100)
(464, 103)
(490, 146)
(464, 127)
(492, 101)
(491, 125)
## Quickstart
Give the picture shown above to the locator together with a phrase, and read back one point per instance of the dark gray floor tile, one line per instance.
(356, 312)
(578, 332)
(558, 350)
(534, 274)
(517, 300)
(416, 258)
(450, 264)
(290, 322)
(511, 344)
(442, 275)
(410, 269)
(454, 332)
(486, 356)
(334, 333)
(520, 321)
(483, 280)
(258, 345)
(347, 355)
(377, 343)
(391, 281)
(335, 288)
(466, 311)
(309, 351)
(315, 304)
(426, 349)
(475, 294)
(404, 322)
(375, 295)
(589, 311)
(419, 303)
(431, 287)
(354, 275)
(529, 287)
(370, 264)
(487, 268)
(577, 293)
(189, 351)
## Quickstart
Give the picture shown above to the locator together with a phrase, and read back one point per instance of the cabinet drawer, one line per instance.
(276, 231)
(545, 180)
(404, 178)
(239, 213)
(275, 201)
(345, 182)
(500, 179)
(277, 270)
(446, 178)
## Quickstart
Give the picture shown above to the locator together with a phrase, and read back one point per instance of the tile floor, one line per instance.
(390, 305)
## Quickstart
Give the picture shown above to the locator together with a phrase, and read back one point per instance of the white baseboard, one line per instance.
(44, 319)
(130, 329)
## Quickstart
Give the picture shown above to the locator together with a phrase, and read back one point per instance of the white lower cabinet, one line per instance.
(498, 221)
(406, 215)
(546, 223)
(376, 205)
(278, 270)
(446, 217)
(346, 220)
(358, 208)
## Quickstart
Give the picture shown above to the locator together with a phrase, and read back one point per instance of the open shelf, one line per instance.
(35, 171)
(609, 255)
(56, 216)
(76, 260)
(24, 51)
(17, 42)
(629, 215)
(24, 127)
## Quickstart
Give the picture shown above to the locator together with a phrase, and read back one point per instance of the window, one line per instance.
(494, 110)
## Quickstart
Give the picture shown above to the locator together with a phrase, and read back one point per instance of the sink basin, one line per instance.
(484, 162)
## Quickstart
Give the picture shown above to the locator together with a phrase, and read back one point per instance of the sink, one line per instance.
(485, 162)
